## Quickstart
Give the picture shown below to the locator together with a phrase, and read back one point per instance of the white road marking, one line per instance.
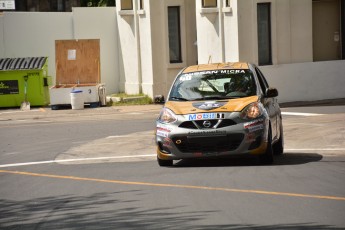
(322, 149)
(141, 156)
(108, 137)
(72, 160)
(129, 135)
(301, 114)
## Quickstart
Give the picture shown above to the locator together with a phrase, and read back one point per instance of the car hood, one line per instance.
(231, 105)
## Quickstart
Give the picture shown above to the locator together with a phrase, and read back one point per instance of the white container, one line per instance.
(77, 99)
(60, 94)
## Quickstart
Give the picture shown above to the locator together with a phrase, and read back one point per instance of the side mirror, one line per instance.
(271, 92)
(159, 99)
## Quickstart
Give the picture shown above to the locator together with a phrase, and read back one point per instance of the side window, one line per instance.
(262, 80)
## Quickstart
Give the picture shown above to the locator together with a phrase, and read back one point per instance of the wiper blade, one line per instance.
(179, 98)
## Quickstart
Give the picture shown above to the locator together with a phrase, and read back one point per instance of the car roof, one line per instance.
(216, 66)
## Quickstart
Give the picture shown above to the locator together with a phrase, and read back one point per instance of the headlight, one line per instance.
(252, 111)
(167, 116)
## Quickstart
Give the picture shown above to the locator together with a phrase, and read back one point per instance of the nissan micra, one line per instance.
(219, 110)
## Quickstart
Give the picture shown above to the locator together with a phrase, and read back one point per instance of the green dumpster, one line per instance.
(13, 74)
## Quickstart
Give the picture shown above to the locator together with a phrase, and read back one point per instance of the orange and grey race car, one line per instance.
(218, 110)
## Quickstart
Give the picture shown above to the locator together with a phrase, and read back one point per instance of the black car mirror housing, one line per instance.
(271, 92)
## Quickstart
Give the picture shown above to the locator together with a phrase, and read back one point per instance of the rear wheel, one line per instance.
(164, 163)
(267, 157)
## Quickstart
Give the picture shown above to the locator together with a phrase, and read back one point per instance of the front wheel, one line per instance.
(278, 148)
(164, 163)
(267, 157)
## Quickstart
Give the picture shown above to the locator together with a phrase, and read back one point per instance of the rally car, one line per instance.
(219, 110)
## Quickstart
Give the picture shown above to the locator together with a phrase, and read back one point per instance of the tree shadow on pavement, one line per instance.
(114, 211)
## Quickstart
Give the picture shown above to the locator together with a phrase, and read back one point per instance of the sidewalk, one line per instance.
(37, 113)
(46, 112)
(328, 102)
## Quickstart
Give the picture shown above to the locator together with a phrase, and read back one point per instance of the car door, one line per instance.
(270, 103)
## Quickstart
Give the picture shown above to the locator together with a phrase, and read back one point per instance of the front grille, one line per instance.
(208, 144)
(191, 125)
(226, 122)
(187, 125)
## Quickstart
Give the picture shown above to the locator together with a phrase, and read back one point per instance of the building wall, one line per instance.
(230, 34)
(307, 81)
(231, 29)
(188, 39)
(209, 34)
(2, 34)
(129, 48)
(291, 30)
(144, 44)
(33, 34)
(135, 45)
(101, 24)
(145, 19)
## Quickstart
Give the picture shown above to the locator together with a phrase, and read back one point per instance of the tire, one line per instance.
(278, 147)
(164, 163)
(267, 157)
(54, 107)
(94, 104)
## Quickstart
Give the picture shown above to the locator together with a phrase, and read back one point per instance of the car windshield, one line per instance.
(216, 84)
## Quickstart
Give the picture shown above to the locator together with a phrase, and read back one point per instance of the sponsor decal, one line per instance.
(9, 87)
(254, 125)
(186, 77)
(163, 128)
(223, 71)
(207, 133)
(208, 105)
(162, 131)
(250, 137)
(167, 143)
(204, 116)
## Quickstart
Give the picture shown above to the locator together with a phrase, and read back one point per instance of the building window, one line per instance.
(126, 5)
(174, 34)
(227, 3)
(264, 33)
(60, 5)
(141, 5)
(209, 3)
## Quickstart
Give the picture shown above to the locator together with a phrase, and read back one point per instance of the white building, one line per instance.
(145, 43)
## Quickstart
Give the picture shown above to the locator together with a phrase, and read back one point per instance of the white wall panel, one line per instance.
(101, 23)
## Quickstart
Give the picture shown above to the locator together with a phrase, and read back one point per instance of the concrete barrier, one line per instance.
(309, 81)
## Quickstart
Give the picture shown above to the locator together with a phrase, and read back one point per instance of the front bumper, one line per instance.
(180, 140)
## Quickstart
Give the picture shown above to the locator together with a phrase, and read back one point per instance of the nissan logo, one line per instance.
(207, 124)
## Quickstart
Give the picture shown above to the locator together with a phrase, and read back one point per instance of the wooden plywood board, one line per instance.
(77, 61)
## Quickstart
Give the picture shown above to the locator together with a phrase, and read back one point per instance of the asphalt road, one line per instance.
(96, 169)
